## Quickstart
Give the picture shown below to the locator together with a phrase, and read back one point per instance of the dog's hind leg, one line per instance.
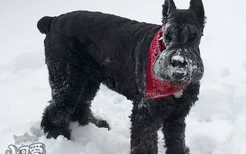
(83, 112)
(66, 81)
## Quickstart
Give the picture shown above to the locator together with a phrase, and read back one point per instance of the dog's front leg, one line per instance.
(143, 131)
(174, 134)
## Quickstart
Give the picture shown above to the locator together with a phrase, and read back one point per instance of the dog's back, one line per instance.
(85, 19)
(110, 41)
(85, 23)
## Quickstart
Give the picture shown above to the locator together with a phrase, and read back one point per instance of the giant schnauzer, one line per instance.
(158, 67)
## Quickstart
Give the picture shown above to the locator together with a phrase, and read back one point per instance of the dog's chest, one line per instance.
(156, 88)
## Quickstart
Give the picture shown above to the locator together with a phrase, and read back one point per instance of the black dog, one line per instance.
(84, 49)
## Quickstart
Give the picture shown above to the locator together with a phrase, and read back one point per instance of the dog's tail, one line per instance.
(44, 24)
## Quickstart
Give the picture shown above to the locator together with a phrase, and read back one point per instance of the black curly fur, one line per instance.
(84, 49)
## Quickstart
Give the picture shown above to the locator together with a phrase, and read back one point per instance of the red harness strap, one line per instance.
(156, 88)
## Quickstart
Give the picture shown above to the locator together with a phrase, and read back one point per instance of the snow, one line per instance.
(178, 58)
(215, 125)
(178, 94)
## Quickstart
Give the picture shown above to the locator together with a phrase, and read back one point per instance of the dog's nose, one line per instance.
(178, 61)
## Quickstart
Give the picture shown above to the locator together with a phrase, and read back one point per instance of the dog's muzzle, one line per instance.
(179, 66)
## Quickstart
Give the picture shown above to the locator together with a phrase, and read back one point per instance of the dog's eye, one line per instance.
(192, 37)
(168, 37)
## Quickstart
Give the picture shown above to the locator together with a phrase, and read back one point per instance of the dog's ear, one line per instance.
(167, 8)
(197, 7)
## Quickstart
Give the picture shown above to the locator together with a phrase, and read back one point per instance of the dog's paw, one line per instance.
(55, 132)
(99, 122)
(146, 151)
(102, 124)
(187, 150)
(55, 122)
(178, 151)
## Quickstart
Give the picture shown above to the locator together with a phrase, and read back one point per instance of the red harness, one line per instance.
(156, 88)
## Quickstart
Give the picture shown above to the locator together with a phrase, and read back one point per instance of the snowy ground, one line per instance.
(216, 125)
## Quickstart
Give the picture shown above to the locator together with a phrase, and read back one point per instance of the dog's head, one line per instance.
(181, 63)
